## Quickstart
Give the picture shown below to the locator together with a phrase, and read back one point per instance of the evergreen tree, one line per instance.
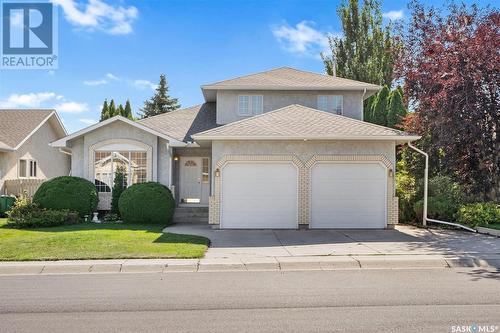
(397, 110)
(161, 102)
(105, 110)
(112, 109)
(128, 111)
(120, 111)
(380, 107)
(367, 50)
(119, 186)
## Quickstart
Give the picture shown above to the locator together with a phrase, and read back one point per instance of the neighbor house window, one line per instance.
(28, 168)
(107, 163)
(331, 103)
(250, 105)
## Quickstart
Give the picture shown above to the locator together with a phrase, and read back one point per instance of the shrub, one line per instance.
(118, 188)
(71, 193)
(479, 213)
(440, 208)
(406, 192)
(111, 218)
(26, 214)
(147, 203)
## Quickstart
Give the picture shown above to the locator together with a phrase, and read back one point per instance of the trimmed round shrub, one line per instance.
(147, 203)
(72, 193)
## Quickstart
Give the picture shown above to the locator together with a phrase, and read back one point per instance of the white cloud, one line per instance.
(71, 107)
(112, 77)
(88, 121)
(98, 15)
(394, 15)
(144, 84)
(32, 100)
(95, 82)
(302, 39)
(43, 100)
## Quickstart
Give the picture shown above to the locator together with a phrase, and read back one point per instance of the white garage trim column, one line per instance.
(215, 199)
(391, 200)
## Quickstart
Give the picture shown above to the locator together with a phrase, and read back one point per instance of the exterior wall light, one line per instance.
(391, 173)
(217, 173)
(176, 158)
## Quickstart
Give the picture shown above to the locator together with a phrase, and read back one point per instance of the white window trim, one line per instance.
(27, 168)
(331, 97)
(250, 105)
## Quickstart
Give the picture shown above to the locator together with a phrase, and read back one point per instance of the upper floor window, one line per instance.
(331, 103)
(27, 168)
(249, 105)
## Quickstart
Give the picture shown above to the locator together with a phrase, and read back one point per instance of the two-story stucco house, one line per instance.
(26, 159)
(278, 149)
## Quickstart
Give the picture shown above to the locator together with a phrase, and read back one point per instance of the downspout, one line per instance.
(363, 106)
(170, 150)
(426, 185)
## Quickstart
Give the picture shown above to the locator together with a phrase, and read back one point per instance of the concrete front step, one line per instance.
(191, 215)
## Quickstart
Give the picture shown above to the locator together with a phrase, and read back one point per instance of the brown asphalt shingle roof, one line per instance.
(16, 125)
(297, 121)
(290, 78)
(181, 124)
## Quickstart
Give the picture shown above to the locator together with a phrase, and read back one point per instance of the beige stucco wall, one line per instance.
(81, 150)
(305, 153)
(227, 102)
(50, 161)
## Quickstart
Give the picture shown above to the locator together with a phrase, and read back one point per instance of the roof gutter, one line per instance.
(426, 186)
(305, 138)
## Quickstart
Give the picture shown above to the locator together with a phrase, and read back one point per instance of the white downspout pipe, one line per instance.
(426, 185)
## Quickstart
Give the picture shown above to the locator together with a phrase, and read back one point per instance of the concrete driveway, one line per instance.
(404, 240)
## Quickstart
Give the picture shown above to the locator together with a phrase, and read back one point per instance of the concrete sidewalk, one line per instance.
(249, 264)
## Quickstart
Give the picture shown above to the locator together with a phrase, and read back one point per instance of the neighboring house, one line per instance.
(278, 149)
(26, 158)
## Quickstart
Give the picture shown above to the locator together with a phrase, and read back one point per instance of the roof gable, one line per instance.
(17, 125)
(62, 142)
(300, 122)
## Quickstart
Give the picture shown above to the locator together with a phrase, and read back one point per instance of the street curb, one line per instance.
(284, 264)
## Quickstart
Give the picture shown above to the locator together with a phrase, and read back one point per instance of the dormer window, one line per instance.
(331, 103)
(249, 105)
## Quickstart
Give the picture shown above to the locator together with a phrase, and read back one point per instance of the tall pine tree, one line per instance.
(161, 102)
(112, 109)
(120, 111)
(380, 107)
(397, 110)
(128, 111)
(104, 111)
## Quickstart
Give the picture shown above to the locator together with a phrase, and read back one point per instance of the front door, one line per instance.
(191, 180)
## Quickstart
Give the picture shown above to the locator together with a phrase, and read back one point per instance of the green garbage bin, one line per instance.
(6, 202)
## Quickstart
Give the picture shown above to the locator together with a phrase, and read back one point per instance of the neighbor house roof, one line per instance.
(286, 78)
(18, 125)
(297, 122)
(183, 123)
(63, 142)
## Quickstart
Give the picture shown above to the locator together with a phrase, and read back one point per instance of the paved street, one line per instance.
(329, 301)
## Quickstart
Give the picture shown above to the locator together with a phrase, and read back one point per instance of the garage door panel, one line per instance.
(259, 195)
(348, 195)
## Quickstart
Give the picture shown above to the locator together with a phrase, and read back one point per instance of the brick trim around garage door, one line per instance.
(303, 181)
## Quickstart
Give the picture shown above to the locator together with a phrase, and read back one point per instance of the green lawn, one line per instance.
(97, 241)
(492, 226)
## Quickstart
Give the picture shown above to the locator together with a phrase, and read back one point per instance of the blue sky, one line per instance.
(117, 49)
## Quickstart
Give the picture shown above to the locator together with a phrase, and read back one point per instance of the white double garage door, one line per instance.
(257, 195)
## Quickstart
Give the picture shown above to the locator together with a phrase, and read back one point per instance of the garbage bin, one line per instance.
(6, 202)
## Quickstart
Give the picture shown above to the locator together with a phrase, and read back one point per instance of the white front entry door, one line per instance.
(348, 195)
(190, 179)
(257, 195)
